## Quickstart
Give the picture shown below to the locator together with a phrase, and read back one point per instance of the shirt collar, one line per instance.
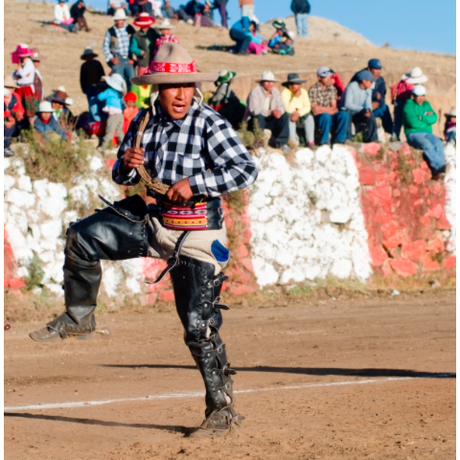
(165, 118)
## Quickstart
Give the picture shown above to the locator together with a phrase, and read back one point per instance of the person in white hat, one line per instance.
(116, 47)
(400, 93)
(264, 104)
(418, 119)
(450, 127)
(45, 123)
(188, 156)
(166, 35)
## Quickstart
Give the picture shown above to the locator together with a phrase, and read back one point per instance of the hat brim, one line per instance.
(59, 100)
(293, 82)
(260, 81)
(413, 81)
(88, 54)
(143, 24)
(164, 78)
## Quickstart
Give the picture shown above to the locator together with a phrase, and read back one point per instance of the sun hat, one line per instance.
(451, 113)
(10, 82)
(374, 64)
(115, 81)
(324, 71)
(291, 34)
(6, 92)
(120, 15)
(278, 24)
(165, 25)
(36, 56)
(419, 90)
(22, 50)
(365, 75)
(68, 101)
(225, 76)
(45, 106)
(59, 96)
(293, 79)
(130, 97)
(144, 20)
(172, 64)
(267, 75)
(88, 52)
(415, 76)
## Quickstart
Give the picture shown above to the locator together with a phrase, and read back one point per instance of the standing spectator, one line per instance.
(166, 35)
(298, 108)
(264, 104)
(240, 33)
(38, 79)
(130, 112)
(62, 16)
(91, 72)
(77, 12)
(379, 91)
(221, 5)
(450, 128)
(357, 101)
(247, 8)
(116, 47)
(301, 9)
(143, 41)
(115, 5)
(328, 118)
(25, 76)
(113, 107)
(45, 123)
(400, 93)
(418, 119)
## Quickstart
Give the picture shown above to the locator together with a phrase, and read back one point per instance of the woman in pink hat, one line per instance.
(25, 76)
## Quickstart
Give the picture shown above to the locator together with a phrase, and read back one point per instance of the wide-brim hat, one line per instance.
(172, 64)
(36, 56)
(144, 20)
(120, 15)
(88, 52)
(115, 81)
(267, 75)
(10, 82)
(416, 76)
(45, 106)
(419, 90)
(293, 79)
(22, 50)
(452, 113)
(278, 24)
(165, 24)
(225, 76)
(59, 96)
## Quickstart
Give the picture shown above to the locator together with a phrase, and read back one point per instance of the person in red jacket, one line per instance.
(131, 110)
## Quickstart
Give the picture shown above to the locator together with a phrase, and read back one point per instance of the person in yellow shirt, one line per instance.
(298, 108)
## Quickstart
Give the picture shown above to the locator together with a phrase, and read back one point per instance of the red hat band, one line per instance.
(171, 67)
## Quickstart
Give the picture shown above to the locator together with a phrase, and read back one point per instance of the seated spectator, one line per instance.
(258, 43)
(379, 90)
(206, 18)
(62, 16)
(264, 104)
(156, 8)
(130, 111)
(225, 100)
(400, 93)
(143, 41)
(168, 12)
(39, 91)
(112, 97)
(166, 35)
(328, 118)
(282, 40)
(298, 108)
(418, 119)
(77, 13)
(240, 34)
(91, 72)
(357, 101)
(143, 6)
(17, 109)
(115, 5)
(142, 92)
(192, 7)
(450, 128)
(9, 122)
(45, 123)
(61, 111)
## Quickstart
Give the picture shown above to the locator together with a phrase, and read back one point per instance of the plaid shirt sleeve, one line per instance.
(232, 167)
(106, 47)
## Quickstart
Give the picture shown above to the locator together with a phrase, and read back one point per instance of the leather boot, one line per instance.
(197, 291)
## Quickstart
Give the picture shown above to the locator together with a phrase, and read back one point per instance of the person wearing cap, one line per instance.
(298, 108)
(357, 101)
(77, 12)
(188, 156)
(379, 91)
(62, 16)
(116, 47)
(329, 120)
(143, 41)
(418, 120)
(240, 33)
(91, 73)
(450, 127)
(45, 123)
(115, 5)
(400, 93)
(166, 35)
(264, 104)
(130, 111)
(301, 9)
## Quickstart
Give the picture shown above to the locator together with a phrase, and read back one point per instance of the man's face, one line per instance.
(119, 24)
(56, 105)
(294, 87)
(267, 85)
(419, 99)
(130, 103)
(375, 72)
(45, 116)
(327, 81)
(367, 83)
(175, 99)
(165, 31)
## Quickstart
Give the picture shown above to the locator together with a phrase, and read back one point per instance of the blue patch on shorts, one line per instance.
(219, 251)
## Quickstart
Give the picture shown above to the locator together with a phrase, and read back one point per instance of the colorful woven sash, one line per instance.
(185, 217)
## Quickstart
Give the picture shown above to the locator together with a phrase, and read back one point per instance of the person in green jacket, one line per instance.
(143, 41)
(418, 118)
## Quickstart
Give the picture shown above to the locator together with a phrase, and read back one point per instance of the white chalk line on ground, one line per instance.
(196, 394)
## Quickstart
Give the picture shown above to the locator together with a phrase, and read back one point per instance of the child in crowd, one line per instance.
(113, 106)
(258, 43)
(450, 128)
(131, 110)
(166, 35)
(45, 123)
(282, 40)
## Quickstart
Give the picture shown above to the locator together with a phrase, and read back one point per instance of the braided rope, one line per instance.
(152, 184)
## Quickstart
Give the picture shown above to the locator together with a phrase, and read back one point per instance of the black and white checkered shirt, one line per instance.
(201, 146)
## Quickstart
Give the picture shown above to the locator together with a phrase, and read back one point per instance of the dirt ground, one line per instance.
(330, 379)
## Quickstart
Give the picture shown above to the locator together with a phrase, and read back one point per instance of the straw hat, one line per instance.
(115, 81)
(165, 25)
(88, 52)
(144, 20)
(172, 64)
(267, 75)
(416, 76)
(45, 106)
(6, 92)
(36, 56)
(10, 82)
(120, 15)
(452, 113)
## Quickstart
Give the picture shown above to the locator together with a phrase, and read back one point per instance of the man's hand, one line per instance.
(295, 116)
(375, 105)
(276, 113)
(115, 61)
(428, 113)
(133, 158)
(367, 113)
(180, 191)
(131, 62)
